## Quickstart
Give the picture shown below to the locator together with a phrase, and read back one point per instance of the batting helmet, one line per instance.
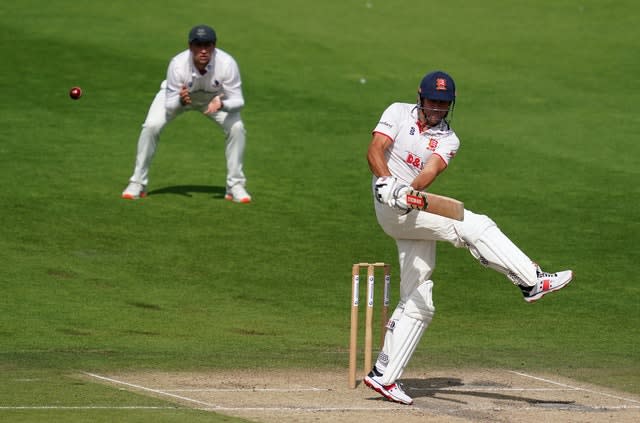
(437, 85)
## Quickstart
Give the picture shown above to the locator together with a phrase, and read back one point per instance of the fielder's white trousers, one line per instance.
(157, 117)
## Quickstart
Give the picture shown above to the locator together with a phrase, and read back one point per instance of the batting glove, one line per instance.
(399, 200)
(384, 189)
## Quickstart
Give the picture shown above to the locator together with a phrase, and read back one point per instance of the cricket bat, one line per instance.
(436, 204)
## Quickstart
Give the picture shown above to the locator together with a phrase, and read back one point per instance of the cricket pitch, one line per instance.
(444, 396)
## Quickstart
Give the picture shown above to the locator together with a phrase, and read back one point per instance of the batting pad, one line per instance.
(401, 343)
(383, 356)
(493, 249)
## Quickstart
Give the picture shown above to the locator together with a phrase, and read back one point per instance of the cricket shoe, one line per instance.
(237, 194)
(547, 282)
(133, 191)
(392, 392)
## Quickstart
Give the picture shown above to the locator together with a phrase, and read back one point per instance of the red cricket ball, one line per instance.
(75, 93)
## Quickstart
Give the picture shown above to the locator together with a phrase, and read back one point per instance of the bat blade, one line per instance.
(436, 204)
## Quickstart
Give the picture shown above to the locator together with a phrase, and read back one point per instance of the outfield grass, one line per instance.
(184, 280)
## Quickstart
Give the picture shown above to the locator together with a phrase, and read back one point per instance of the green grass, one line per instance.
(183, 280)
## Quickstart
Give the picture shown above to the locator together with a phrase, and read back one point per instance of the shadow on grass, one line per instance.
(190, 190)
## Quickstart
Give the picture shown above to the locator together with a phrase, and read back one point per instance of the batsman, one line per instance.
(411, 146)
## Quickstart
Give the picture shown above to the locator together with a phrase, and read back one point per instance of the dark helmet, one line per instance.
(202, 34)
(437, 85)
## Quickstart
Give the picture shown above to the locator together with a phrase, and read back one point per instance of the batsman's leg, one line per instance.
(408, 321)
(477, 232)
(407, 331)
(493, 249)
(417, 261)
(401, 342)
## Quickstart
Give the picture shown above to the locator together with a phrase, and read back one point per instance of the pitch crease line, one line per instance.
(576, 388)
(85, 407)
(213, 407)
(309, 409)
(414, 408)
(249, 390)
(156, 391)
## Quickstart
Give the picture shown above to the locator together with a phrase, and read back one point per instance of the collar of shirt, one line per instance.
(440, 128)
(195, 73)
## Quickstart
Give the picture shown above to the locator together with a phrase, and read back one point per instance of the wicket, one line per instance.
(355, 300)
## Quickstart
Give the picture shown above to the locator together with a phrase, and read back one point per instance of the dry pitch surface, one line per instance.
(442, 396)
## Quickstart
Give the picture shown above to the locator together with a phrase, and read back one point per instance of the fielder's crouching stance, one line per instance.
(411, 145)
(205, 79)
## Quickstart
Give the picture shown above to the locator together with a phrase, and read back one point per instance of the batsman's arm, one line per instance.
(418, 199)
(375, 154)
(434, 167)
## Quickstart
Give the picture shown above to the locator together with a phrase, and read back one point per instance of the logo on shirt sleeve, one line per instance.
(387, 124)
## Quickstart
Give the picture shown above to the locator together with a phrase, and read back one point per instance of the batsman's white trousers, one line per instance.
(157, 117)
(416, 234)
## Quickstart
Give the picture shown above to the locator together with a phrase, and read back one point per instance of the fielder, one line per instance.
(411, 145)
(206, 79)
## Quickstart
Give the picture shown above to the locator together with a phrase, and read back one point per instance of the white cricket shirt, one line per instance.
(411, 148)
(222, 77)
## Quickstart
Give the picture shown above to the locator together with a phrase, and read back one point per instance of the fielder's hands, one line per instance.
(214, 105)
(185, 96)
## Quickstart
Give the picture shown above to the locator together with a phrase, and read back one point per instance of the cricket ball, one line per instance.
(75, 93)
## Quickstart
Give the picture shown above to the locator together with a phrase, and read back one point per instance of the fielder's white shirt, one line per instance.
(222, 77)
(412, 144)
